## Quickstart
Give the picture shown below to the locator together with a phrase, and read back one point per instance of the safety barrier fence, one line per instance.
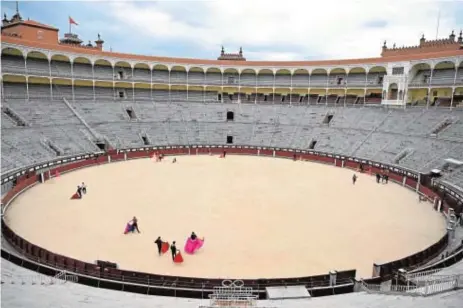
(436, 285)
(32, 175)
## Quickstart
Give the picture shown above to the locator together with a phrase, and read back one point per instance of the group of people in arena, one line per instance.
(193, 243)
(383, 178)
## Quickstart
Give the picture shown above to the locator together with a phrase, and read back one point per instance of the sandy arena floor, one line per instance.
(261, 217)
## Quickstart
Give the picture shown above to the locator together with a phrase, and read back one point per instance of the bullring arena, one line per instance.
(262, 217)
(342, 183)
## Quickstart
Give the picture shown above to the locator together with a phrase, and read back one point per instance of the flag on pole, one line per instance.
(72, 21)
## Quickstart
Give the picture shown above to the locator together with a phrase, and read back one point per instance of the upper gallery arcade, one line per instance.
(34, 50)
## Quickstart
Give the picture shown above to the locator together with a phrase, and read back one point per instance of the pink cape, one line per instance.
(128, 228)
(191, 246)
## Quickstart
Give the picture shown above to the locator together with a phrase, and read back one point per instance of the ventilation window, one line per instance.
(219, 97)
(230, 97)
(131, 113)
(121, 75)
(101, 145)
(312, 144)
(230, 116)
(145, 140)
(265, 98)
(121, 94)
(229, 139)
(328, 119)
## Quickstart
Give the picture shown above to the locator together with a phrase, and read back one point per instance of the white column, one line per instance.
(345, 97)
(326, 90)
(133, 91)
(455, 77)
(151, 84)
(290, 96)
(451, 97)
(49, 67)
(114, 85)
(93, 81)
(27, 77)
(187, 86)
(27, 87)
(273, 88)
(72, 80)
(429, 88)
(169, 86)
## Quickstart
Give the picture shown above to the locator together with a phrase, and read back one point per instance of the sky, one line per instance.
(266, 30)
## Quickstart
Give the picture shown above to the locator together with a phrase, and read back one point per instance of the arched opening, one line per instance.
(248, 78)
(375, 77)
(82, 68)
(39, 87)
(178, 75)
(160, 73)
(421, 74)
(103, 70)
(196, 75)
(318, 78)
(122, 70)
(393, 91)
(141, 72)
(230, 77)
(337, 77)
(62, 87)
(142, 91)
(196, 93)
(160, 92)
(230, 116)
(14, 86)
(283, 78)
(60, 66)
(265, 78)
(301, 78)
(444, 73)
(357, 76)
(13, 61)
(37, 64)
(213, 76)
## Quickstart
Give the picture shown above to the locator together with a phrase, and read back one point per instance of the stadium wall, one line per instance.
(92, 274)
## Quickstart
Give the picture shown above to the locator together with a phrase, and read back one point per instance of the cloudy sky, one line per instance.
(267, 30)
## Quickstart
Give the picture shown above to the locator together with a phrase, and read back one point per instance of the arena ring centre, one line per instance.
(261, 217)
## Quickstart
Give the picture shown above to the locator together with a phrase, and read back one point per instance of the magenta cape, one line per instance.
(191, 246)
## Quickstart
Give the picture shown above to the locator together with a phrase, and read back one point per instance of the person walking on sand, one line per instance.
(135, 224)
(173, 249)
(158, 242)
(354, 179)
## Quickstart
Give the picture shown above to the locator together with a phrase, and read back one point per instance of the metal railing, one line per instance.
(434, 285)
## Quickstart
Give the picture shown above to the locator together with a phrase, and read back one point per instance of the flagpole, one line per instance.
(438, 22)
(69, 25)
